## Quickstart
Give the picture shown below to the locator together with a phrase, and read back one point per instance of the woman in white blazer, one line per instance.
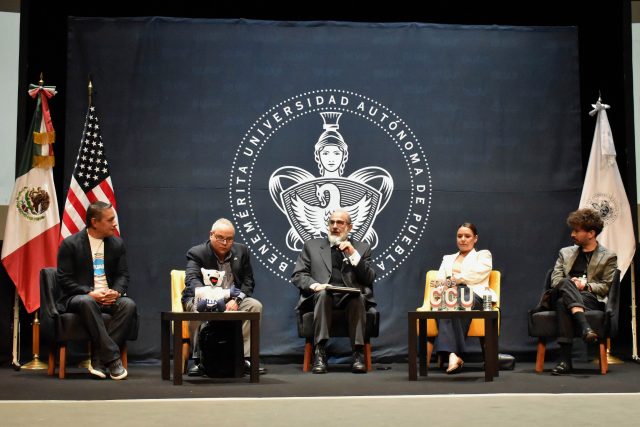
(467, 267)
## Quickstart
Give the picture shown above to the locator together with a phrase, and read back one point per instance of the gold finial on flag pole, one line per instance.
(41, 82)
(90, 89)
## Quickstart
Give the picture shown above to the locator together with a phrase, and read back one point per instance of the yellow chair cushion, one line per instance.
(177, 285)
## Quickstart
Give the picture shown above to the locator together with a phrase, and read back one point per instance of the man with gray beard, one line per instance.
(340, 262)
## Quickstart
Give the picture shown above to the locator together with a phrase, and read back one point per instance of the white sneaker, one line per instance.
(97, 371)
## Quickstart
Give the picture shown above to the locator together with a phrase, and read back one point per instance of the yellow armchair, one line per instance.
(177, 285)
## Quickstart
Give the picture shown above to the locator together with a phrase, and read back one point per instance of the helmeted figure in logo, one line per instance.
(308, 201)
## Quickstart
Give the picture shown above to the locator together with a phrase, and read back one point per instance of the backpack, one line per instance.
(221, 349)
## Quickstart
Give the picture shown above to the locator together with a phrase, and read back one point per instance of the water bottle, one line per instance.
(486, 300)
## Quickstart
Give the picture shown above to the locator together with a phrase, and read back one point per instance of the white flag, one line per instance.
(603, 191)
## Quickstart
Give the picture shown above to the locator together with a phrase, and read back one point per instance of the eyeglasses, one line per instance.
(338, 222)
(223, 240)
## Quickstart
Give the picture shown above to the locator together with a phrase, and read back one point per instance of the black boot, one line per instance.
(319, 360)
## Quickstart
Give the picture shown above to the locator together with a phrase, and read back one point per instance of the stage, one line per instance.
(144, 382)
(286, 396)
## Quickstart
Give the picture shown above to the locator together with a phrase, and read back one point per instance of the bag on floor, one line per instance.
(221, 349)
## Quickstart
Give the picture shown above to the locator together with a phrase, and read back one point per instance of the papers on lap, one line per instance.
(342, 289)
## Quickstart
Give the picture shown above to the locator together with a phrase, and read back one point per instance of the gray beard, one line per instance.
(334, 240)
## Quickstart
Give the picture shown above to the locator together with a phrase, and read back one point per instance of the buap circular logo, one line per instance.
(322, 150)
(606, 205)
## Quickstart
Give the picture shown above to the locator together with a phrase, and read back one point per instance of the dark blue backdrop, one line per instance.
(488, 114)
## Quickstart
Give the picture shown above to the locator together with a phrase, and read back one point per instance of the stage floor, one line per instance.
(144, 382)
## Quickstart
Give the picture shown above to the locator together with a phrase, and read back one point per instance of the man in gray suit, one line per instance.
(580, 282)
(335, 261)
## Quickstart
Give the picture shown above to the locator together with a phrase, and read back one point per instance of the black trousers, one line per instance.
(105, 341)
(452, 333)
(353, 304)
(562, 299)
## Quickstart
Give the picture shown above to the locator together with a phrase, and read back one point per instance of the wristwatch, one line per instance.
(238, 300)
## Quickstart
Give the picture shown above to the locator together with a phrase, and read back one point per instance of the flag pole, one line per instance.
(36, 363)
(16, 333)
(634, 332)
(86, 363)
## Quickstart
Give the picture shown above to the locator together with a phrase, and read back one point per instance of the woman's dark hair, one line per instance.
(470, 226)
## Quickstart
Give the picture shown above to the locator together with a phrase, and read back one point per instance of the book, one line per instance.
(342, 289)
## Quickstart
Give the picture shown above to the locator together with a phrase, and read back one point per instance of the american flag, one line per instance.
(90, 181)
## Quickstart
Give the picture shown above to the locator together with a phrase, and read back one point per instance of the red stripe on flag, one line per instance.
(24, 264)
(75, 204)
(108, 191)
(68, 222)
(91, 196)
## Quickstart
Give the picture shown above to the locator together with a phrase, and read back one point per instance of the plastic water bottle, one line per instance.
(486, 300)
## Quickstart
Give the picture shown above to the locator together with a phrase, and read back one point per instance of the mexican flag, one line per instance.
(33, 223)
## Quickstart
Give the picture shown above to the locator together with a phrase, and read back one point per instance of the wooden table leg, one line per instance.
(495, 346)
(422, 346)
(490, 351)
(177, 352)
(255, 350)
(412, 348)
(165, 334)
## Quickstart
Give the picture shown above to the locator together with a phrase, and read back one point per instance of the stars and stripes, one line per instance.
(90, 180)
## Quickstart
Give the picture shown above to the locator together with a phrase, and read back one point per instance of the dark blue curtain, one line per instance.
(437, 125)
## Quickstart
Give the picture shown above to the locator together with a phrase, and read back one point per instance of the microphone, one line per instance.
(336, 244)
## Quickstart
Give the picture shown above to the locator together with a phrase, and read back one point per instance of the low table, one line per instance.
(177, 317)
(420, 317)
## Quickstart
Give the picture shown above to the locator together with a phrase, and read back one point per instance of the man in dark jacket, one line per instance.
(221, 253)
(580, 282)
(339, 262)
(93, 278)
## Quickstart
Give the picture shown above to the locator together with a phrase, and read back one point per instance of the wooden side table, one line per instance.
(177, 317)
(420, 317)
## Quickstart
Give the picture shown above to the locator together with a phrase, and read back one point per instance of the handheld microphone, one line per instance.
(336, 243)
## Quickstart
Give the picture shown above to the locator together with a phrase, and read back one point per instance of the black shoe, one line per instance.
(319, 361)
(196, 371)
(247, 368)
(562, 368)
(117, 371)
(358, 366)
(589, 336)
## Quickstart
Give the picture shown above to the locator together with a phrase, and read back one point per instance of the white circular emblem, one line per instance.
(322, 150)
(606, 205)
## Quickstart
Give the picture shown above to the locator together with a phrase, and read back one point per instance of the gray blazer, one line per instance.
(600, 270)
(314, 266)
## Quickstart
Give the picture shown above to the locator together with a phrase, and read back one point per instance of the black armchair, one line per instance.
(67, 326)
(339, 328)
(543, 324)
